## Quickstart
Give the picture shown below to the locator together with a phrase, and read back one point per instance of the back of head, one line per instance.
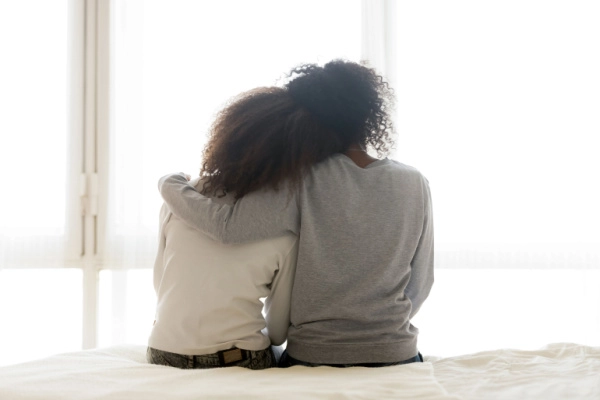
(270, 135)
(349, 98)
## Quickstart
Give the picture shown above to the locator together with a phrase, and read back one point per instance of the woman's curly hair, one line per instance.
(269, 135)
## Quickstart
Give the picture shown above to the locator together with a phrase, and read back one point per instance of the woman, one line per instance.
(365, 251)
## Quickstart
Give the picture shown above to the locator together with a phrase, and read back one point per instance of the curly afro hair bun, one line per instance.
(273, 135)
(349, 98)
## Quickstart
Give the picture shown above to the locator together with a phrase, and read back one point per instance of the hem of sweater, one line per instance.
(353, 353)
(211, 349)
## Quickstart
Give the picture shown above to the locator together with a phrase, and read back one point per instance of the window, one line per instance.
(36, 229)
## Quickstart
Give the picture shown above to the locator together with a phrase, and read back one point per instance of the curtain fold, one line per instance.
(40, 160)
(378, 37)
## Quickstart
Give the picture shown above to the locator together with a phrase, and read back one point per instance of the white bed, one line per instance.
(558, 371)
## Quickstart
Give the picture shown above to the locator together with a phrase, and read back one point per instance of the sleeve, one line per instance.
(277, 304)
(259, 215)
(159, 266)
(421, 277)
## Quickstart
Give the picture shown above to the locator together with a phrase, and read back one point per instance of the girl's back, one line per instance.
(209, 293)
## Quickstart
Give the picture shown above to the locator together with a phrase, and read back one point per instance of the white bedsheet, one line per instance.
(560, 371)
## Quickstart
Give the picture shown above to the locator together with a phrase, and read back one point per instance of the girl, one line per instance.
(209, 312)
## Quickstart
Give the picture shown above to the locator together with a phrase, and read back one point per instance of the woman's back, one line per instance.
(365, 253)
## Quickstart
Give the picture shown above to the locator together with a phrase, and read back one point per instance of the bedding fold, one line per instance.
(121, 372)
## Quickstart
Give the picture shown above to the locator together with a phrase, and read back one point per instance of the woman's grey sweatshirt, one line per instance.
(365, 258)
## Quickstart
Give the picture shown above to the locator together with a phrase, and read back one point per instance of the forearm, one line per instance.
(421, 281)
(422, 265)
(259, 215)
(277, 312)
(278, 303)
(159, 265)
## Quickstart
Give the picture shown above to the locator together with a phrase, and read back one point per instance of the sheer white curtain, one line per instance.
(40, 167)
(40, 175)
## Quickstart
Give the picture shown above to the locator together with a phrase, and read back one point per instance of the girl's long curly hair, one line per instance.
(269, 135)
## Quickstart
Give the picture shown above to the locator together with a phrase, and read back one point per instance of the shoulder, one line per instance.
(404, 167)
(407, 170)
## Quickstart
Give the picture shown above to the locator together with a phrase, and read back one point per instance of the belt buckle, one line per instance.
(231, 356)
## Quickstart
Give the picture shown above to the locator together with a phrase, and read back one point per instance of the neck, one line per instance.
(358, 154)
(356, 147)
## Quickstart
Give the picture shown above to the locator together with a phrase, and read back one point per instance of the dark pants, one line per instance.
(260, 359)
(288, 361)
